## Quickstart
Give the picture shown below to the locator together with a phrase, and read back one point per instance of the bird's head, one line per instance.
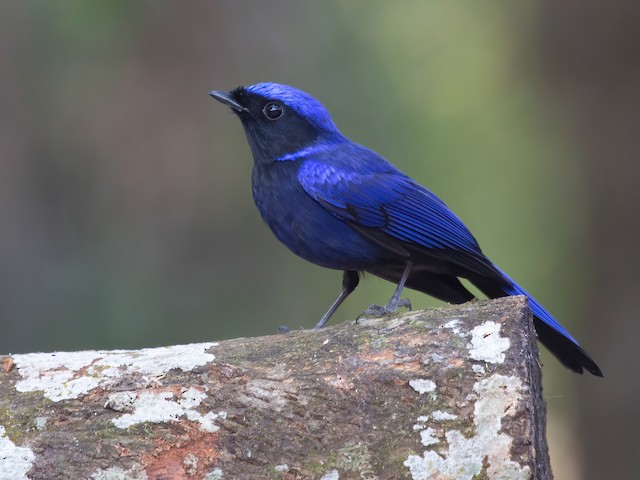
(279, 120)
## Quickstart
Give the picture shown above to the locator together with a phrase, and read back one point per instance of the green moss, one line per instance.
(108, 431)
(354, 457)
(317, 468)
(483, 475)
(20, 426)
(273, 474)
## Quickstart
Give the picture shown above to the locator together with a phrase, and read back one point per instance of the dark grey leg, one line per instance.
(350, 280)
(394, 302)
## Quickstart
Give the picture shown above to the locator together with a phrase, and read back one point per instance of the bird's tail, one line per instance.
(552, 335)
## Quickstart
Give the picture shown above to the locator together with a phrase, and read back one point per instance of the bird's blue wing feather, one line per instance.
(369, 192)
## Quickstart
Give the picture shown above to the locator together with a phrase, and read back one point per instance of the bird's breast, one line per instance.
(305, 226)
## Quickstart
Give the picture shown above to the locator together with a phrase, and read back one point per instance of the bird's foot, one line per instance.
(377, 311)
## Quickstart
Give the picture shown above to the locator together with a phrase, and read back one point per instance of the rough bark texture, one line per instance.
(445, 393)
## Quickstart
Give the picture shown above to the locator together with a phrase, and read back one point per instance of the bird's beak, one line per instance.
(225, 97)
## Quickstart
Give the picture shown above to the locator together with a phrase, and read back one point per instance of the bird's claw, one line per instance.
(377, 311)
(405, 303)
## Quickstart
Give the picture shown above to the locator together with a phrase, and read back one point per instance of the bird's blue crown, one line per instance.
(300, 102)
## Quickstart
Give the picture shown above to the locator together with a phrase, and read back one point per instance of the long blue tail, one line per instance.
(538, 310)
(550, 333)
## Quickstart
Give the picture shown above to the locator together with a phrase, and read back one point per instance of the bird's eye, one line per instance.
(273, 110)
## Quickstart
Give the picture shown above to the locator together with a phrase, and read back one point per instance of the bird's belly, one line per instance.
(318, 236)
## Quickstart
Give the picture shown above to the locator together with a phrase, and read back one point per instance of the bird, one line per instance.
(342, 206)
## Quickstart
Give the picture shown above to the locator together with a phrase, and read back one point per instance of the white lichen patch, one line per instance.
(421, 420)
(163, 406)
(121, 401)
(332, 475)
(498, 396)
(427, 434)
(15, 461)
(117, 473)
(428, 437)
(190, 463)
(396, 322)
(432, 358)
(67, 375)
(281, 468)
(422, 385)
(40, 422)
(479, 369)
(215, 474)
(440, 416)
(454, 326)
(486, 343)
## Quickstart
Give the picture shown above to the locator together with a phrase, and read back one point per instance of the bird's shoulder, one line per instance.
(351, 174)
(355, 182)
(347, 169)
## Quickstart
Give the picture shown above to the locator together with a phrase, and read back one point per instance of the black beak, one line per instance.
(225, 97)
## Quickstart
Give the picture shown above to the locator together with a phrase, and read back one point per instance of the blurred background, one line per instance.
(126, 217)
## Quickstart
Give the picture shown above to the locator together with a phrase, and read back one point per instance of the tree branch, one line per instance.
(449, 393)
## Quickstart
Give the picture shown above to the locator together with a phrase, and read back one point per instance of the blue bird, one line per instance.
(342, 206)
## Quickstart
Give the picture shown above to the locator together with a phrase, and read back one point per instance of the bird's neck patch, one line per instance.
(307, 152)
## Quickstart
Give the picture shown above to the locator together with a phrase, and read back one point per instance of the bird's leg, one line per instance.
(394, 302)
(350, 280)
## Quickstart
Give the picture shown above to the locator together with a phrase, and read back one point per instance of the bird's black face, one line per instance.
(273, 129)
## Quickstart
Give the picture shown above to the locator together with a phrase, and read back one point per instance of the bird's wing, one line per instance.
(386, 201)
